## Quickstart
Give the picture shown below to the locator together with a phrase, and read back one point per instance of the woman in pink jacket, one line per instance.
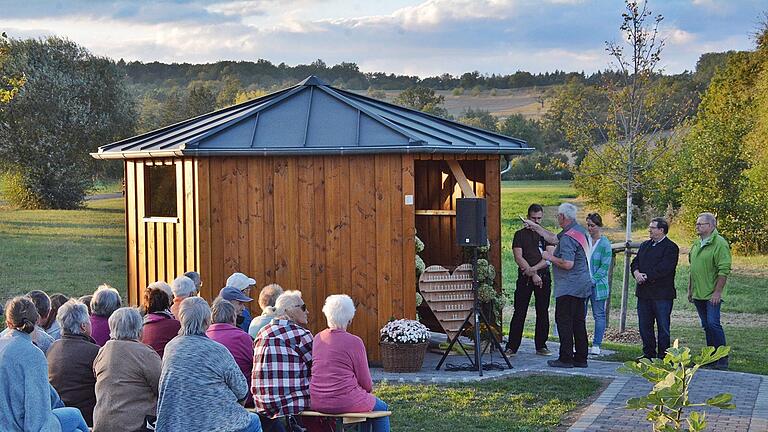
(341, 381)
(224, 331)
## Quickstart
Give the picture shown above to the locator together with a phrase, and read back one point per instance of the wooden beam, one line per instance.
(435, 213)
(461, 179)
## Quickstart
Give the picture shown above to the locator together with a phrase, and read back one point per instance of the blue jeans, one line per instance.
(598, 313)
(70, 420)
(380, 424)
(709, 315)
(254, 426)
(658, 312)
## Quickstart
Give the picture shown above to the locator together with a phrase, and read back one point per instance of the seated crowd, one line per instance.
(178, 364)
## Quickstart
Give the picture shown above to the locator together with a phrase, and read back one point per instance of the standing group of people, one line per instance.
(178, 364)
(579, 259)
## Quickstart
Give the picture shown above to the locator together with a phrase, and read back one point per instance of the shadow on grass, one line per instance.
(68, 225)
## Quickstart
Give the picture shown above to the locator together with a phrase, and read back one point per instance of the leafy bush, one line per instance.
(16, 193)
(540, 166)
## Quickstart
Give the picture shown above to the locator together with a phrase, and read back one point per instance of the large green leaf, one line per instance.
(721, 401)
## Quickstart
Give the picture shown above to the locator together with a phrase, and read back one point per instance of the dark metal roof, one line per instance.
(312, 118)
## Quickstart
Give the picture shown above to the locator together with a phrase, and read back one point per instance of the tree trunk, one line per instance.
(627, 255)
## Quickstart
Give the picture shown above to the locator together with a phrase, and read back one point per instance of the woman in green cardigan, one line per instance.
(599, 265)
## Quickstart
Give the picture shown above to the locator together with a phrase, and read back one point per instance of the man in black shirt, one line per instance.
(654, 270)
(532, 278)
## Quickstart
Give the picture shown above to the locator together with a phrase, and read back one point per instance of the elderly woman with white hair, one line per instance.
(105, 301)
(182, 287)
(267, 298)
(200, 373)
(127, 376)
(26, 397)
(341, 380)
(282, 359)
(70, 359)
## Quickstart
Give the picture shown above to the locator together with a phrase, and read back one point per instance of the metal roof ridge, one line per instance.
(312, 80)
(331, 91)
(468, 129)
(247, 114)
(230, 110)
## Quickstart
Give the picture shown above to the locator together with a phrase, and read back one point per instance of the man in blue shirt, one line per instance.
(573, 284)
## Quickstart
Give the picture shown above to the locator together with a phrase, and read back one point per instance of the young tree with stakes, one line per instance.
(619, 129)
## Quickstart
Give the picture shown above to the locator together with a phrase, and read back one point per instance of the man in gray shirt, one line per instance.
(573, 284)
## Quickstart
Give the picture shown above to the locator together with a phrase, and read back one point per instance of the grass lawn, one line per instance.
(533, 403)
(67, 251)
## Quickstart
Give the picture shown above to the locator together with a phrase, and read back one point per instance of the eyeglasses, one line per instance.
(302, 306)
(701, 223)
(653, 227)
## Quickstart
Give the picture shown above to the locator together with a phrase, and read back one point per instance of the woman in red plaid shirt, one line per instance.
(282, 359)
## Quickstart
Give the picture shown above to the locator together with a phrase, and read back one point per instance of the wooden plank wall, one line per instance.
(436, 189)
(159, 250)
(323, 225)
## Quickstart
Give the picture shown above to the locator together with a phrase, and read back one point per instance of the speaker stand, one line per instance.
(478, 315)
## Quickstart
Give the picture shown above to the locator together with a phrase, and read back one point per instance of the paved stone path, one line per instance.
(606, 412)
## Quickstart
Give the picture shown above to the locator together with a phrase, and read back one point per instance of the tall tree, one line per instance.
(479, 118)
(422, 99)
(71, 102)
(627, 145)
(725, 155)
(200, 100)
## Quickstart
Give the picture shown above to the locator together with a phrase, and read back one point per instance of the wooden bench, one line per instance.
(356, 419)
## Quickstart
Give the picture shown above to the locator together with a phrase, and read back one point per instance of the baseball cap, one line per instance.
(240, 281)
(232, 293)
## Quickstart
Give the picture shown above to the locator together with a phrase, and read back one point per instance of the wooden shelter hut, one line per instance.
(313, 187)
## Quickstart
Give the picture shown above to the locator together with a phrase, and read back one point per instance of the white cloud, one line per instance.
(678, 36)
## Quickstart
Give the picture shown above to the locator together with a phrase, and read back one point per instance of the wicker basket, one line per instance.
(398, 357)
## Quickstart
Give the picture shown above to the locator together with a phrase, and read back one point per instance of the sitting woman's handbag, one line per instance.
(293, 425)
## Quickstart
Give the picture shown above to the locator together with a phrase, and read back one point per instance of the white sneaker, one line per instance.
(595, 350)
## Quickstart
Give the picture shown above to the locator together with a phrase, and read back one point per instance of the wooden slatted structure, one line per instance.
(314, 188)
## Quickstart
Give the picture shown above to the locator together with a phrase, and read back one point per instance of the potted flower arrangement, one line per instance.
(403, 343)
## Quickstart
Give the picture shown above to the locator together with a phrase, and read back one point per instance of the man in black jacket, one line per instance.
(654, 270)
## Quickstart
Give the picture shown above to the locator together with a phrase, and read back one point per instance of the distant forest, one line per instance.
(263, 74)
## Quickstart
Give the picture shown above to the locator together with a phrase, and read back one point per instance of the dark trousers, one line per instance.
(658, 312)
(570, 317)
(524, 289)
(709, 315)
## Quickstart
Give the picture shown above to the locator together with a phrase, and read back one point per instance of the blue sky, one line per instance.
(418, 37)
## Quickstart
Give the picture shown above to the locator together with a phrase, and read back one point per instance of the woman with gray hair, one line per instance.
(26, 397)
(198, 372)
(105, 301)
(341, 381)
(182, 287)
(267, 298)
(282, 359)
(224, 330)
(127, 376)
(70, 359)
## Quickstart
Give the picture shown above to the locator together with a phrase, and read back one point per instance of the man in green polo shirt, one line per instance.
(710, 260)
